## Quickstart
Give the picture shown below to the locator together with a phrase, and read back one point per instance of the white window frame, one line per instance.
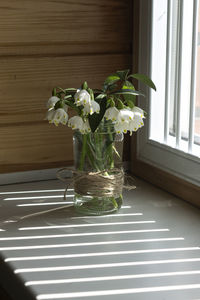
(160, 155)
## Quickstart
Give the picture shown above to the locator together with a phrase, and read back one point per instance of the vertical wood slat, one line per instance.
(167, 76)
(179, 70)
(193, 77)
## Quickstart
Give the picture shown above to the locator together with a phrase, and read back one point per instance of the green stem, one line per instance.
(114, 202)
(98, 148)
(83, 153)
(110, 149)
(91, 158)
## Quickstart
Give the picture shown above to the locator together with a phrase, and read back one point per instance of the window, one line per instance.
(170, 54)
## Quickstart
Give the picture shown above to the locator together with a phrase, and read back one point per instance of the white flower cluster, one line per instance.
(56, 116)
(126, 119)
(82, 98)
(77, 122)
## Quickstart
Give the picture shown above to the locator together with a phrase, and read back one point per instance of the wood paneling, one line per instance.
(26, 83)
(35, 145)
(63, 49)
(53, 43)
(33, 21)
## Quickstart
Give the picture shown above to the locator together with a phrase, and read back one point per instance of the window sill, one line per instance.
(151, 246)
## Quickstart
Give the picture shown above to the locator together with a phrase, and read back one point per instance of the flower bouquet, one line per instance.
(101, 118)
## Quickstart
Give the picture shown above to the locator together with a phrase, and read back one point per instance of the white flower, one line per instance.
(91, 107)
(57, 116)
(111, 113)
(82, 97)
(136, 109)
(49, 115)
(137, 122)
(75, 122)
(95, 106)
(125, 115)
(52, 101)
(121, 127)
(86, 127)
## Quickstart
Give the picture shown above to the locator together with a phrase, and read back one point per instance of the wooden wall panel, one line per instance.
(26, 83)
(35, 146)
(33, 21)
(53, 43)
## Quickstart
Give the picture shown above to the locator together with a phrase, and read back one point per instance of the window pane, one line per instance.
(197, 102)
(173, 66)
(158, 70)
(185, 76)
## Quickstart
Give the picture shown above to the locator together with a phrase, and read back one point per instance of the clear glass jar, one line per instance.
(98, 181)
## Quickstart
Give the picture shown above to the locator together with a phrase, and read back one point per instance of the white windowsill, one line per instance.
(149, 250)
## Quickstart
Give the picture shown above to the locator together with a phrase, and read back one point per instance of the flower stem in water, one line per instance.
(83, 153)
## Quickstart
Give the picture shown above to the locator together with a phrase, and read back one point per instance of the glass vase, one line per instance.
(98, 179)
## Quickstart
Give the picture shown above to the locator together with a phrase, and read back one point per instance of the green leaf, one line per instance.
(95, 119)
(130, 100)
(68, 96)
(61, 89)
(73, 106)
(120, 104)
(100, 96)
(130, 103)
(54, 92)
(112, 102)
(84, 85)
(145, 113)
(128, 85)
(59, 104)
(111, 88)
(111, 79)
(145, 79)
(127, 92)
(97, 91)
(123, 74)
(90, 91)
(70, 90)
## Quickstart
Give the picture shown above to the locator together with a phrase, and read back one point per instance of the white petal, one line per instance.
(136, 123)
(75, 122)
(82, 97)
(50, 114)
(86, 127)
(60, 116)
(111, 113)
(95, 106)
(52, 101)
(125, 115)
(88, 109)
(137, 109)
(122, 127)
